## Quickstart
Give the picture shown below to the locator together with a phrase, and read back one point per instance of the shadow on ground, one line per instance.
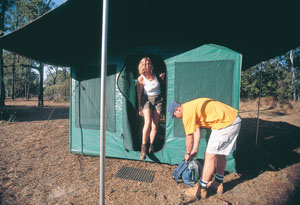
(30, 113)
(276, 147)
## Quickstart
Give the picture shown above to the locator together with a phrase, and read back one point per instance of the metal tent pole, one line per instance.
(102, 98)
(258, 107)
(294, 75)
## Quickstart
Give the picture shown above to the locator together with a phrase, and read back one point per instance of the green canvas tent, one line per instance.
(168, 31)
(207, 71)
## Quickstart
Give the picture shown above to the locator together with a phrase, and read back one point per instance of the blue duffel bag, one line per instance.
(189, 172)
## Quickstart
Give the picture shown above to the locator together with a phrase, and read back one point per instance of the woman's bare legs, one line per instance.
(154, 126)
(147, 124)
(146, 130)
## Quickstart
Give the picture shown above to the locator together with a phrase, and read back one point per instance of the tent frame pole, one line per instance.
(102, 99)
(258, 105)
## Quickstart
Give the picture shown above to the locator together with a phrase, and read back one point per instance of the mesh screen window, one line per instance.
(212, 79)
(87, 105)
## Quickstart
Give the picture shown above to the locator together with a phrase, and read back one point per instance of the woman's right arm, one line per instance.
(139, 94)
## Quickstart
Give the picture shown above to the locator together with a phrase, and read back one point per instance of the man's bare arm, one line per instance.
(189, 142)
(197, 137)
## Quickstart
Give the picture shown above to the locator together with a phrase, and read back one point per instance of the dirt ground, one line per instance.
(36, 166)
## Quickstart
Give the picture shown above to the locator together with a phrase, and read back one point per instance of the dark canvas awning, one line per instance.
(60, 36)
(70, 35)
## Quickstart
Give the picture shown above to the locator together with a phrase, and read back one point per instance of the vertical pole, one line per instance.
(294, 83)
(41, 92)
(294, 75)
(258, 108)
(102, 98)
(2, 95)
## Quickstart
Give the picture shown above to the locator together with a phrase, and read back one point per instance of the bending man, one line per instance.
(225, 124)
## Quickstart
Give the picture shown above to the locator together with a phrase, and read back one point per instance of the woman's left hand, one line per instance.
(140, 111)
(162, 75)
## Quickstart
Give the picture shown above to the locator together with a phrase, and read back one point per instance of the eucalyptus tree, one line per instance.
(23, 12)
(57, 83)
(5, 5)
(40, 69)
(294, 60)
(275, 77)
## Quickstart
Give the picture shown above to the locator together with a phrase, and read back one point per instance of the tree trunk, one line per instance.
(40, 69)
(27, 91)
(294, 83)
(41, 85)
(13, 78)
(65, 90)
(294, 75)
(2, 90)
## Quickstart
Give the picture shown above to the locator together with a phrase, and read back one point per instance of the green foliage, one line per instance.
(5, 7)
(58, 92)
(23, 77)
(274, 77)
(58, 84)
(249, 88)
(25, 11)
(19, 80)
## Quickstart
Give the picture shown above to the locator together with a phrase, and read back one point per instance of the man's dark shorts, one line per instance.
(152, 102)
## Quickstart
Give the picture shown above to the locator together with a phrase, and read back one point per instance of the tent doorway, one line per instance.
(132, 122)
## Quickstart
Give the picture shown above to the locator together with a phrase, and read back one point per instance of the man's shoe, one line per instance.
(203, 193)
(193, 192)
(196, 192)
(143, 152)
(216, 186)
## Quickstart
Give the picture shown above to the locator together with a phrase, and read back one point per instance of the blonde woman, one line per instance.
(149, 103)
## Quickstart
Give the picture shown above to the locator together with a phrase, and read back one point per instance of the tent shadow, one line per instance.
(33, 113)
(153, 158)
(276, 147)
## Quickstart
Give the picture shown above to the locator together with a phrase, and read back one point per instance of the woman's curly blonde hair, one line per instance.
(142, 65)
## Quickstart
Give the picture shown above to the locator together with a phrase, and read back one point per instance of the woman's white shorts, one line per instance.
(223, 141)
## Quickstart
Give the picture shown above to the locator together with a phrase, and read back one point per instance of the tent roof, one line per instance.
(70, 35)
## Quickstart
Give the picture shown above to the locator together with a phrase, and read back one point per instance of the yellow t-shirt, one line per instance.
(207, 113)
